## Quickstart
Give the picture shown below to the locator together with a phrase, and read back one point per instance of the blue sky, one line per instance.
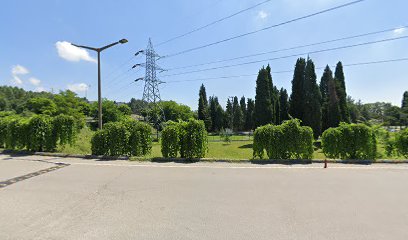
(35, 53)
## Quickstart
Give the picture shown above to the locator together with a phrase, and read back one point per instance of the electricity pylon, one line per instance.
(151, 94)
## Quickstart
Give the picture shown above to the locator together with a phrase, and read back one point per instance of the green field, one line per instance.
(236, 150)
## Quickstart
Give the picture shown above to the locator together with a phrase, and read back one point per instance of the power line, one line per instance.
(266, 28)
(290, 71)
(288, 56)
(213, 23)
(291, 48)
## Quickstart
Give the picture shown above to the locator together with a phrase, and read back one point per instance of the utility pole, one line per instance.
(99, 50)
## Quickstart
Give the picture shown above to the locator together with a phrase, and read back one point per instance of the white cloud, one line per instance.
(78, 87)
(72, 53)
(40, 89)
(262, 14)
(399, 31)
(34, 81)
(16, 80)
(19, 70)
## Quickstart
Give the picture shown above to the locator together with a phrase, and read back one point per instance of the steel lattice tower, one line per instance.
(151, 93)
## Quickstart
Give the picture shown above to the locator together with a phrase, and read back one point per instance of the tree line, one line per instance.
(320, 105)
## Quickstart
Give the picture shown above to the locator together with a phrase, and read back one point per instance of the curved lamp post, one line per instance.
(99, 50)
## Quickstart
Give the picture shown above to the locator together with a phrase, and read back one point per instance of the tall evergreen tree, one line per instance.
(330, 101)
(276, 105)
(341, 92)
(405, 100)
(284, 105)
(237, 119)
(297, 100)
(203, 110)
(216, 114)
(249, 120)
(404, 109)
(271, 94)
(242, 103)
(263, 113)
(228, 115)
(312, 113)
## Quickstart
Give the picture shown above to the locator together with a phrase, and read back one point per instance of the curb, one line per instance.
(209, 160)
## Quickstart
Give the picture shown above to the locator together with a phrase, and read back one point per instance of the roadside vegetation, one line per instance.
(315, 121)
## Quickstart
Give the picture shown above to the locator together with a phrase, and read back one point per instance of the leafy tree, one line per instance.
(203, 111)
(125, 110)
(341, 92)
(237, 119)
(175, 112)
(3, 104)
(283, 105)
(297, 101)
(249, 120)
(41, 105)
(263, 112)
(137, 105)
(312, 100)
(354, 109)
(110, 111)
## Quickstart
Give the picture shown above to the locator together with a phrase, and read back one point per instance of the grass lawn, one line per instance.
(236, 150)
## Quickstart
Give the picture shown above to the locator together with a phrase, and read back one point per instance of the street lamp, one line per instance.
(99, 50)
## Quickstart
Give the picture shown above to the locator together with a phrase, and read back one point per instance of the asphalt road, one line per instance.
(124, 200)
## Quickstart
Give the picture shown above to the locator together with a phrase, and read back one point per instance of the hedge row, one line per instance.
(38, 133)
(350, 141)
(187, 138)
(126, 138)
(286, 141)
(401, 143)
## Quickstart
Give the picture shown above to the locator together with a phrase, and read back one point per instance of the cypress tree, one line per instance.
(276, 104)
(237, 115)
(249, 120)
(242, 103)
(404, 109)
(284, 105)
(203, 110)
(333, 109)
(405, 100)
(312, 113)
(216, 117)
(271, 93)
(297, 96)
(228, 115)
(263, 113)
(330, 100)
(341, 92)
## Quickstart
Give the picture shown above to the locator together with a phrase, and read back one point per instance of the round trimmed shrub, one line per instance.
(401, 143)
(131, 138)
(40, 134)
(350, 141)
(188, 138)
(170, 140)
(286, 141)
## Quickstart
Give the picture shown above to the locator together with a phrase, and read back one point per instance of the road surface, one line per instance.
(90, 199)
